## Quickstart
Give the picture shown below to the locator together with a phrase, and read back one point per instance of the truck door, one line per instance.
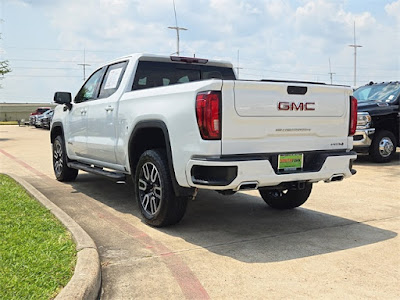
(102, 116)
(76, 133)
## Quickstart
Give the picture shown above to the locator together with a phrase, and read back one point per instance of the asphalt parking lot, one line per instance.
(342, 243)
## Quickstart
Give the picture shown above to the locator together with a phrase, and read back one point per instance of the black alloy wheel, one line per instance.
(61, 170)
(154, 191)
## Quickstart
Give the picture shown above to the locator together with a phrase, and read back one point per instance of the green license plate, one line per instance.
(290, 162)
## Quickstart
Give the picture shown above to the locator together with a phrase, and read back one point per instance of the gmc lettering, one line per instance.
(296, 106)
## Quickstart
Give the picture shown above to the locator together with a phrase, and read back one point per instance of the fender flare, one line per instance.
(53, 126)
(179, 191)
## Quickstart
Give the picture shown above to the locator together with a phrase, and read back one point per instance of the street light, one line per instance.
(177, 36)
(355, 46)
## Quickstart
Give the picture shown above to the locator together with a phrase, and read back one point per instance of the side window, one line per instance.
(90, 88)
(112, 79)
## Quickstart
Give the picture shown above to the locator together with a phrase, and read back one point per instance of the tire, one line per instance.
(154, 191)
(383, 147)
(286, 199)
(61, 170)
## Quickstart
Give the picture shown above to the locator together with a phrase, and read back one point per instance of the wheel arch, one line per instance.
(152, 134)
(56, 130)
(388, 123)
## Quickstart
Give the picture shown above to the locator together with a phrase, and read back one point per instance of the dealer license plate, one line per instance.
(290, 162)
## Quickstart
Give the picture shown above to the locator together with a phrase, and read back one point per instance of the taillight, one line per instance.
(353, 116)
(208, 113)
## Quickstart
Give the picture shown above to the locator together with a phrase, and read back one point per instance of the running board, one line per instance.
(97, 171)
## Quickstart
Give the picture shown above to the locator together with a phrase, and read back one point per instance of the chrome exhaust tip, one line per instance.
(336, 177)
(248, 185)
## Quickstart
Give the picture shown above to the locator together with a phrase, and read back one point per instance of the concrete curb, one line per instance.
(86, 281)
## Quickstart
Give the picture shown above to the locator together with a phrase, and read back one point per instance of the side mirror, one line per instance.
(63, 98)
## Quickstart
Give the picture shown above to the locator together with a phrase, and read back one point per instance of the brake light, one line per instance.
(208, 113)
(189, 60)
(353, 116)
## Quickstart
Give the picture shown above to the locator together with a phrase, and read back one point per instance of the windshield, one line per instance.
(42, 110)
(383, 92)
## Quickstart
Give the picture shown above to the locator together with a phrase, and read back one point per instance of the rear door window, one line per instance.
(112, 79)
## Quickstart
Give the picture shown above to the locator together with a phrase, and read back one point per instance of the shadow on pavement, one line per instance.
(243, 227)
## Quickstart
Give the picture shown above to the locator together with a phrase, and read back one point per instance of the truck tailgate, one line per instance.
(283, 117)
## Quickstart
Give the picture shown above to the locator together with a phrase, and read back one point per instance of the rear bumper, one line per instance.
(230, 174)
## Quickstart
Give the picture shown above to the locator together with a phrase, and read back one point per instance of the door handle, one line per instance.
(109, 108)
(83, 111)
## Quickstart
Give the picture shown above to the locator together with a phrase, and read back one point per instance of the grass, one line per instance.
(9, 123)
(37, 254)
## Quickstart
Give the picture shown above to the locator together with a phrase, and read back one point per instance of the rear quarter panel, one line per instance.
(175, 106)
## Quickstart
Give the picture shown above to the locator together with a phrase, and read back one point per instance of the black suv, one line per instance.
(378, 120)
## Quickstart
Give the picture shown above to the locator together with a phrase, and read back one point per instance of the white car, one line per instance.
(178, 124)
(39, 118)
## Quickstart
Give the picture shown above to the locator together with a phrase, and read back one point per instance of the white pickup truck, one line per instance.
(178, 124)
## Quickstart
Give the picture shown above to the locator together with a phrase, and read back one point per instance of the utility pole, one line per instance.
(177, 28)
(355, 46)
(238, 68)
(330, 70)
(84, 65)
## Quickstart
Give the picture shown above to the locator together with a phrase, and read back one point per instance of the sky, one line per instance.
(46, 41)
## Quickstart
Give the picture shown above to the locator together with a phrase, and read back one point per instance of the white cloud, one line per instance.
(393, 9)
(276, 38)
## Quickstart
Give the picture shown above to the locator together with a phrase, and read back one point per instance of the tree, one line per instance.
(4, 67)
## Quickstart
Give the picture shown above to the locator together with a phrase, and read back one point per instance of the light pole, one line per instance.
(177, 28)
(330, 70)
(355, 46)
(238, 67)
(177, 36)
(84, 65)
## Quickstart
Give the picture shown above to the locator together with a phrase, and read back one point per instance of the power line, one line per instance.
(50, 60)
(60, 49)
(50, 76)
(44, 68)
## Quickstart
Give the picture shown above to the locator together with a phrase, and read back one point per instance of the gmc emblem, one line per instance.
(296, 106)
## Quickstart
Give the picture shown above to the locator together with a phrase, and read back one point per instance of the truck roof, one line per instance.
(176, 59)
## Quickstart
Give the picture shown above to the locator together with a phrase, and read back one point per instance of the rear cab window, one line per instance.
(151, 74)
(112, 79)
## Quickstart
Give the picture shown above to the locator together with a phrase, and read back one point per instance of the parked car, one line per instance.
(39, 118)
(378, 120)
(38, 111)
(177, 124)
(46, 118)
